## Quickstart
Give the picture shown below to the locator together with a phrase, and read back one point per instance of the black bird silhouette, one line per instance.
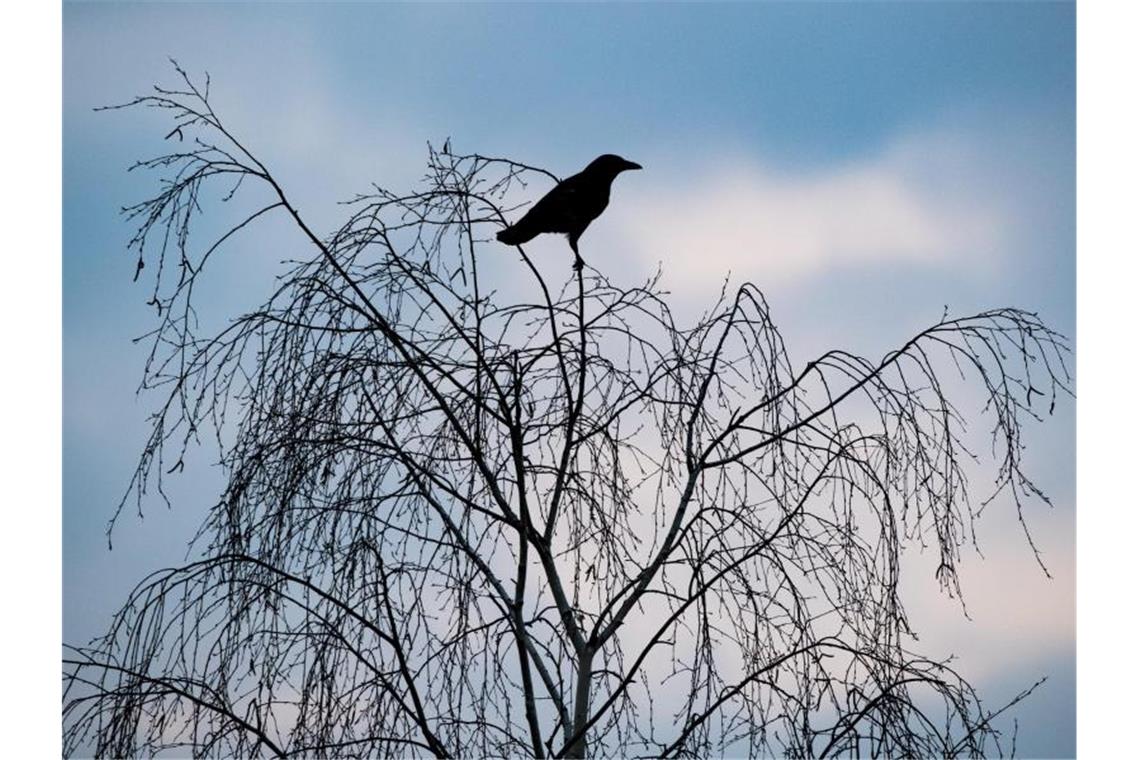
(571, 205)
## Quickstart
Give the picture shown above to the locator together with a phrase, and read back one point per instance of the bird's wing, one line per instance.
(569, 207)
(563, 209)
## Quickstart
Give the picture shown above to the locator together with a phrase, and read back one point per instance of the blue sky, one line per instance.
(927, 148)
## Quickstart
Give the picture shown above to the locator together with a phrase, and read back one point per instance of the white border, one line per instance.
(31, 376)
(1108, 211)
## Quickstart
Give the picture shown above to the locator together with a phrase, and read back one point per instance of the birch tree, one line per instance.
(457, 525)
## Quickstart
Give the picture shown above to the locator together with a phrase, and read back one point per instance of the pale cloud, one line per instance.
(927, 200)
(323, 141)
(1016, 613)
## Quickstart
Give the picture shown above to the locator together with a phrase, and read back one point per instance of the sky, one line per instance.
(867, 165)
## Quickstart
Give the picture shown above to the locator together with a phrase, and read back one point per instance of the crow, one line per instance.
(571, 205)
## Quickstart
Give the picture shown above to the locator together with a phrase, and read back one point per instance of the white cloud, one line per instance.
(929, 201)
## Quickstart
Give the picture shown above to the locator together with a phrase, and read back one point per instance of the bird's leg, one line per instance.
(578, 263)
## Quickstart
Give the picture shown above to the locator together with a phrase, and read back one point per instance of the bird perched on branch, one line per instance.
(571, 205)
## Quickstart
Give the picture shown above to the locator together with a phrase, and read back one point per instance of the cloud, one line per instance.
(927, 200)
(1017, 614)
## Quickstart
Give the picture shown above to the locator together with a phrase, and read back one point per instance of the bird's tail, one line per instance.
(516, 234)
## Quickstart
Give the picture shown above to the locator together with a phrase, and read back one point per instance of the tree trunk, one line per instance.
(582, 703)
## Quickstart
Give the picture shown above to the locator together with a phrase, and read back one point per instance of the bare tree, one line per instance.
(557, 526)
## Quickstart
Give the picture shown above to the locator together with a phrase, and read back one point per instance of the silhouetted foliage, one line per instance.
(567, 524)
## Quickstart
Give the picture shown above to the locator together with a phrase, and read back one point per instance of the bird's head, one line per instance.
(610, 165)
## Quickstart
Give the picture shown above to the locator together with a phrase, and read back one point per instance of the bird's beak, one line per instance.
(630, 165)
